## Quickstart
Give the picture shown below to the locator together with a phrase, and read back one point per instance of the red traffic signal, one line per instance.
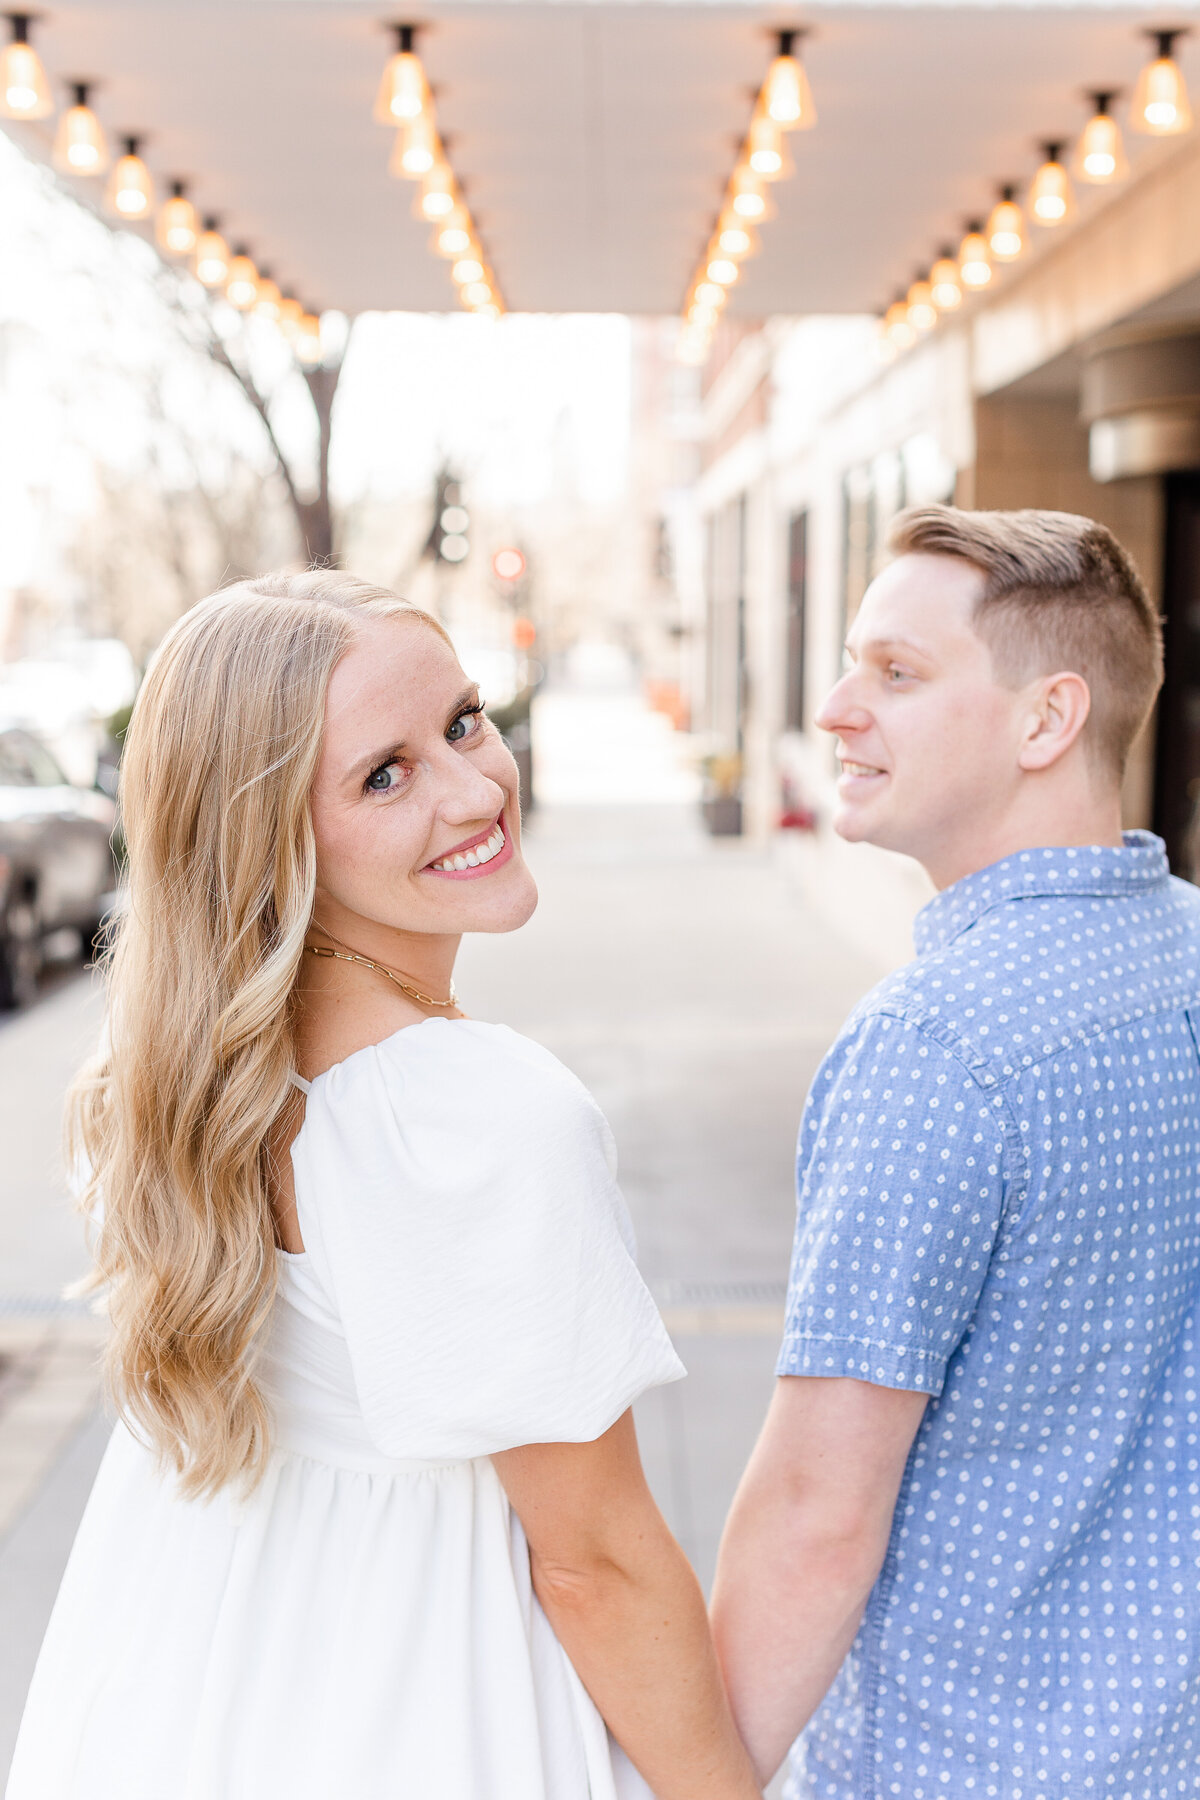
(508, 565)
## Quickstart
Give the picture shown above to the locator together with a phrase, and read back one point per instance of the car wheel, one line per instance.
(20, 953)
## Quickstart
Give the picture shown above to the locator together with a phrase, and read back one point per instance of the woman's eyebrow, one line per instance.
(389, 752)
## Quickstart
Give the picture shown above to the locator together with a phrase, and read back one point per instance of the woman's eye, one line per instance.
(466, 723)
(386, 779)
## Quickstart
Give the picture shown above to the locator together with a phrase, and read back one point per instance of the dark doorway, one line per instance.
(1177, 750)
(797, 607)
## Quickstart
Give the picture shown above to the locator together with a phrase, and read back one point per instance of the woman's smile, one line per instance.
(489, 849)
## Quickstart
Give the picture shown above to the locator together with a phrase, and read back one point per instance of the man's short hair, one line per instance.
(1060, 593)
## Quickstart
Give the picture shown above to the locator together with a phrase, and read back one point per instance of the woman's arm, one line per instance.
(627, 1609)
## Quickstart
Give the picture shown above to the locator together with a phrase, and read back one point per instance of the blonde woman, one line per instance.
(372, 1522)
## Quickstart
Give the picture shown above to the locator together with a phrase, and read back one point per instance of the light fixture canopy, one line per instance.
(403, 90)
(945, 281)
(1160, 104)
(24, 89)
(1006, 226)
(130, 193)
(417, 150)
(786, 95)
(1051, 196)
(178, 226)
(80, 146)
(1100, 153)
(974, 258)
(241, 283)
(211, 262)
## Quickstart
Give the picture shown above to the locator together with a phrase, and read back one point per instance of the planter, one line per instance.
(723, 815)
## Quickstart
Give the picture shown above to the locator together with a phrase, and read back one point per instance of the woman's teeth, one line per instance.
(471, 859)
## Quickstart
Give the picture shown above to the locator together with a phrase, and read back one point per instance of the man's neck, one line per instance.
(1094, 822)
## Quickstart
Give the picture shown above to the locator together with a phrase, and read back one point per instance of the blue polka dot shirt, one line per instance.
(999, 1206)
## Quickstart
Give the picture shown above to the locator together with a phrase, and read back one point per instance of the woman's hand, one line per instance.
(628, 1610)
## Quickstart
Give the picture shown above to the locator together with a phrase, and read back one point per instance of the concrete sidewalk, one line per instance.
(692, 993)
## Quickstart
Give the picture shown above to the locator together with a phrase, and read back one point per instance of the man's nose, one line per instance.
(842, 708)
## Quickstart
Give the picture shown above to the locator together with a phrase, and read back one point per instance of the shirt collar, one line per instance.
(1092, 869)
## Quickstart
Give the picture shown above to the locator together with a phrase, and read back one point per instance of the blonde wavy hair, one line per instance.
(172, 1120)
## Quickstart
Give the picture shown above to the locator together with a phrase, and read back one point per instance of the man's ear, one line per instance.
(1058, 713)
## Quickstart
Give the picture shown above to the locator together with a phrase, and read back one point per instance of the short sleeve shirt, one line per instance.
(999, 1206)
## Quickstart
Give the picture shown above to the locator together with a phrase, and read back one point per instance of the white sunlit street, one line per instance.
(685, 982)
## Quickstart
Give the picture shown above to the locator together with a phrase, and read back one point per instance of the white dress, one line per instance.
(363, 1625)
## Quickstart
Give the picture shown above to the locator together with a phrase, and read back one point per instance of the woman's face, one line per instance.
(415, 802)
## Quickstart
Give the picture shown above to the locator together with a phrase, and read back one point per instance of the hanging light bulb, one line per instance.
(467, 268)
(1160, 99)
(945, 282)
(1050, 197)
(735, 239)
(1100, 154)
(80, 147)
(130, 187)
(439, 194)
(476, 293)
(920, 310)
(974, 262)
(1006, 227)
(241, 284)
(786, 95)
(416, 151)
(746, 195)
(452, 241)
(722, 271)
(306, 340)
(211, 263)
(267, 299)
(764, 147)
(178, 226)
(900, 333)
(709, 294)
(290, 314)
(403, 91)
(24, 90)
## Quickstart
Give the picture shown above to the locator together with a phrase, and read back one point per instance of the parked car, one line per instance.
(56, 860)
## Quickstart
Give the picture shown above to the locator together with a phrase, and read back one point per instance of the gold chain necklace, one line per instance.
(345, 954)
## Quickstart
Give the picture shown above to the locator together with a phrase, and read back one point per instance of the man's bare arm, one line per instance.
(804, 1542)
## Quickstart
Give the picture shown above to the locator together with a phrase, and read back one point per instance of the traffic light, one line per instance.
(448, 541)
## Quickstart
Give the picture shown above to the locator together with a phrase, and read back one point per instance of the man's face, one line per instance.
(928, 739)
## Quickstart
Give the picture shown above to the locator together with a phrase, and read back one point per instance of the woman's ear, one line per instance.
(1059, 711)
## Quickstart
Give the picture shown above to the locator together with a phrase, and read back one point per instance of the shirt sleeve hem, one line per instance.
(910, 1366)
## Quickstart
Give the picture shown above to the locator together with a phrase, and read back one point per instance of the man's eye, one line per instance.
(466, 723)
(385, 779)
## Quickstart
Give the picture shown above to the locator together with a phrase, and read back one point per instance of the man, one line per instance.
(967, 1546)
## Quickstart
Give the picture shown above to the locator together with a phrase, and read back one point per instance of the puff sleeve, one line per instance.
(456, 1191)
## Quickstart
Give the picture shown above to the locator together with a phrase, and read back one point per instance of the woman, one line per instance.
(373, 1522)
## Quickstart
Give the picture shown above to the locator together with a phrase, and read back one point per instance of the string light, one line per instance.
(266, 303)
(1160, 99)
(291, 314)
(921, 312)
(787, 97)
(241, 283)
(130, 186)
(24, 89)
(784, 102)
(403, 90)
(211, 263)
(418, 154)
(897, 328)
(974, 261)
(1006, 227)
(307, 340)
(1051, 199)
(1100, 154)
(178, 226)
(80, 147)
(945, 282)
